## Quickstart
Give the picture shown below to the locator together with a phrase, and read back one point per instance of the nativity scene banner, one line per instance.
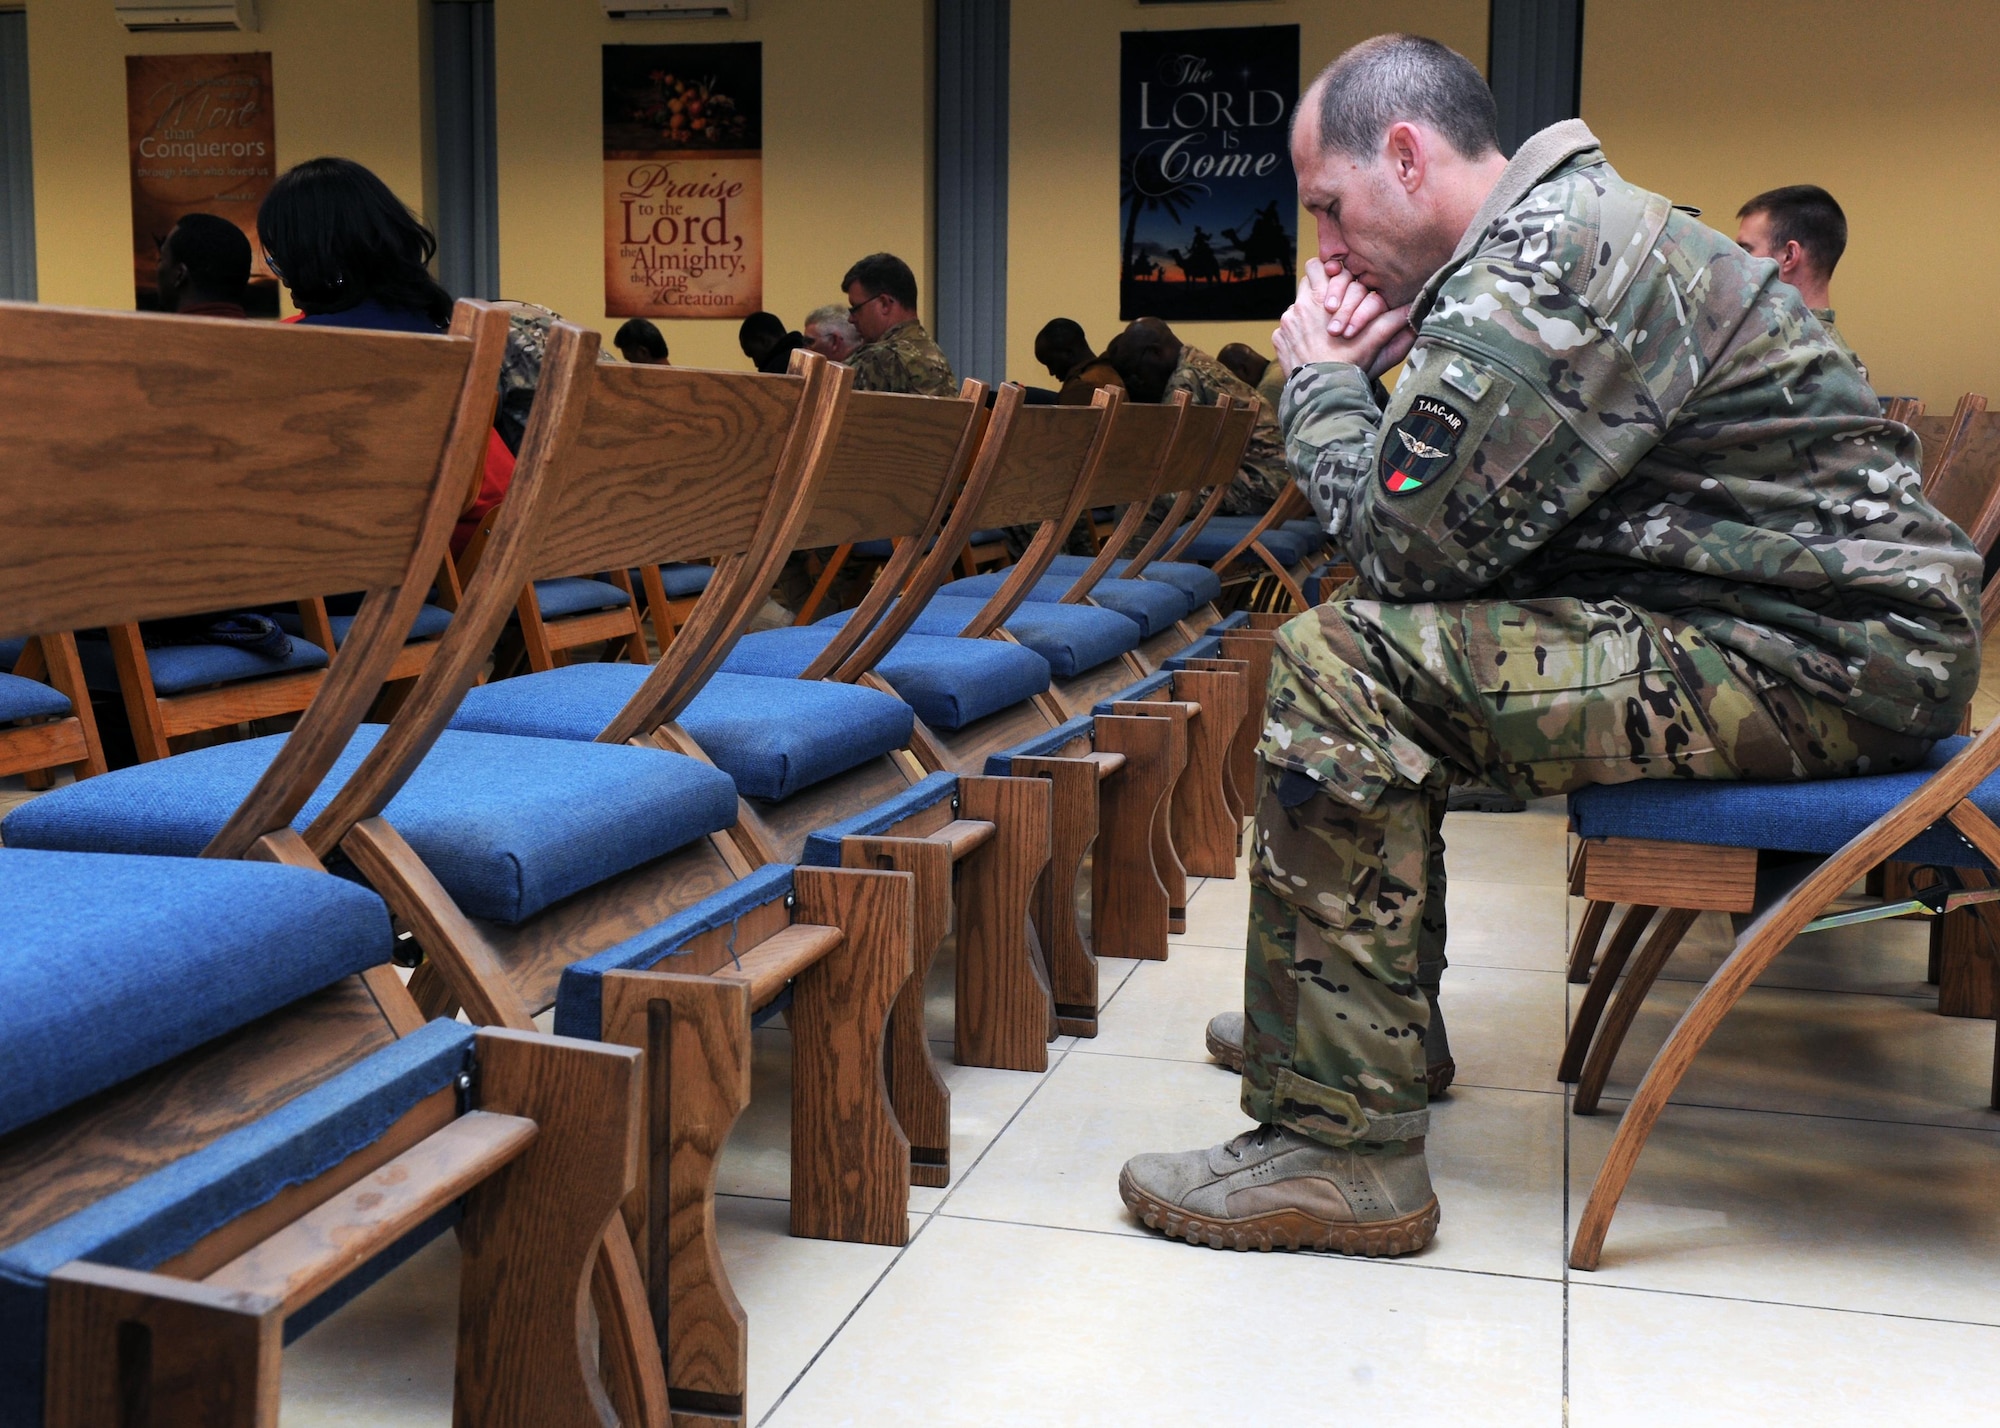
(683, 180)
(1208, 201)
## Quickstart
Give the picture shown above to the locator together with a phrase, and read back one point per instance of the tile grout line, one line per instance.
(1794, 1304)
(929, 1217)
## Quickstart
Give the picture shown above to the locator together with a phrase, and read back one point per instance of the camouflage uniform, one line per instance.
(904, 359)
(1262, 475)
(1656, 530)
(1825, 316)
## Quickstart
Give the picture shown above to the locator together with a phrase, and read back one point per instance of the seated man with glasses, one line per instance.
(897, 355)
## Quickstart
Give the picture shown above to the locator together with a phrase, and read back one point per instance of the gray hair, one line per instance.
(1395, 79)
(834, 314)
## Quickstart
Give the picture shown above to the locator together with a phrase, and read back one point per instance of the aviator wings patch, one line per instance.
(1420, 446)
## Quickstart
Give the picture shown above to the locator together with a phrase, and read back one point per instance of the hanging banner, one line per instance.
(1208, 202)
(683, 180)
(202, 140)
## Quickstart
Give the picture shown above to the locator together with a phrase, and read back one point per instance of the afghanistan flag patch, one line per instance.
(1420, 446)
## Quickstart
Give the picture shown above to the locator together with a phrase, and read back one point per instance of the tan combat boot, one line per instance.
(1271, 1188)
(1225, 1044)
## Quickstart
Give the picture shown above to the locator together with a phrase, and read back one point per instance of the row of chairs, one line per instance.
(225, 1069)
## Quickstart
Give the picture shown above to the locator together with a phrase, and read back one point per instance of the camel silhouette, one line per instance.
(1199, 263)
(1266, 242)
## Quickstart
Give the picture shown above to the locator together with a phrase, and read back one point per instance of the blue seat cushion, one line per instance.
(1074, 639)
(1150, 604)
(1813, 817)
(179, 668)
(431, 621)
(162, 1215)
(949, 682)
(10, 652)
(509, 825)
(681, 581)
(575, 595)
(1217, 540)
(117, 964)
(1197, 582)
(772, 736)
(29, 699)
(1308, 531)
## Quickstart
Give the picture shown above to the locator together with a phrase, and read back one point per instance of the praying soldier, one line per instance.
(897, 354)
(1629, 514)
(1803, 231)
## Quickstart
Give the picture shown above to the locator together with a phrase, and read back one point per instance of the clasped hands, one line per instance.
(1337, 319)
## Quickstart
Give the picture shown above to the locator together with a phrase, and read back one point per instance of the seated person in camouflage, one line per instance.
(829, 333)
(897, 355)
(1154, 364)
(1629, 514)
(1803, 231)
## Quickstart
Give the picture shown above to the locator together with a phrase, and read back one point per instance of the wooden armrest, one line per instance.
(1107, 764)
(962, 835)
(768, 966)
(321, 1247)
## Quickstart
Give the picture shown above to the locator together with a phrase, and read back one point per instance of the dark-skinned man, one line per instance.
(896, 355)
(204, 268)
(1628, 514)
(1154, 363)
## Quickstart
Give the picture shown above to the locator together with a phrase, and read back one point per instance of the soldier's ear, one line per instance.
(1408, 154)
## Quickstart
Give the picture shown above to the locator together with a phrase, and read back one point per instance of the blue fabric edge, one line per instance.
(1001, 765)
(580, 994)
(1156, 681)
(822, 848)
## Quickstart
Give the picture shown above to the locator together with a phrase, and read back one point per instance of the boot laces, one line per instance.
(1255, 1138)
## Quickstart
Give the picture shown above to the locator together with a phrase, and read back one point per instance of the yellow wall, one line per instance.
(846, 151)
(348, 78)
(1892, 109)
(1063, 212)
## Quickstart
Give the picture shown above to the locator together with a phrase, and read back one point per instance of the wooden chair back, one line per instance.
(1184, 457)
(1229, 449)
(895, 464)
(676, 463)
(1941, 438)
(180, 465)
(1136, 451)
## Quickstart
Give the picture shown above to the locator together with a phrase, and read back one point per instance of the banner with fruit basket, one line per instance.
(683, 180)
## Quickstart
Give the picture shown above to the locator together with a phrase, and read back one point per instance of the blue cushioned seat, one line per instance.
(162, 1215)
(29, 699)
(949, 682)
(1305, 530)
(1074, 639)
(679, 581)
(179, 668)
(508, 825)
(115, 964)
(1217, 540)
(1197, 582)
(1150, 604)
(772, 736)
(1814, 817)
(431, 622)
(10, 653)
(575, 595)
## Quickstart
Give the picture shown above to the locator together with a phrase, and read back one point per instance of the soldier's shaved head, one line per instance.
(1409, 78)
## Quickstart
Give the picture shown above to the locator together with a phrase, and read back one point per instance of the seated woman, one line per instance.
(353, 255)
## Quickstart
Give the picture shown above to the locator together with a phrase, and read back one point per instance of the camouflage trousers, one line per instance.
(1375, 709)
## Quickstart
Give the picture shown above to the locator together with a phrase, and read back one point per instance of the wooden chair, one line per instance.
(272, 1116)
(1831, 833)
(1115, 774)
(46, 721)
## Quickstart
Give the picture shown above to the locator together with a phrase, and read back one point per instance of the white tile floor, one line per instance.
(1812, 1236)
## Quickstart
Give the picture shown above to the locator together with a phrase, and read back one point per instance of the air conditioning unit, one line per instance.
(142, 15)
(676, 9)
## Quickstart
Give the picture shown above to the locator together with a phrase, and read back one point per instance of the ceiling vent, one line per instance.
(676, 9)
(145, 15)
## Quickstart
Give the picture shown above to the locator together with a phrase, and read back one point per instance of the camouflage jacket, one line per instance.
(903, 359)
(1825, 316)
(1262, 475)
(1608, 399)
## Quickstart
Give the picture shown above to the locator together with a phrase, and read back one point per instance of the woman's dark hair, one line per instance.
(337, 235)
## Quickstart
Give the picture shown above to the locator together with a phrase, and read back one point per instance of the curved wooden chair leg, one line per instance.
(1588, 933)
(1667, 934)
(1606, 977)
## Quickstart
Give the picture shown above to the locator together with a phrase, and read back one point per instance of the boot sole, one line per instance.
(1283, 1229)
(1438, 1078)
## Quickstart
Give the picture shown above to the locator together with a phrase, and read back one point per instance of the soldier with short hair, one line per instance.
(1802, 229)
(897, 354)
(1629, 514)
